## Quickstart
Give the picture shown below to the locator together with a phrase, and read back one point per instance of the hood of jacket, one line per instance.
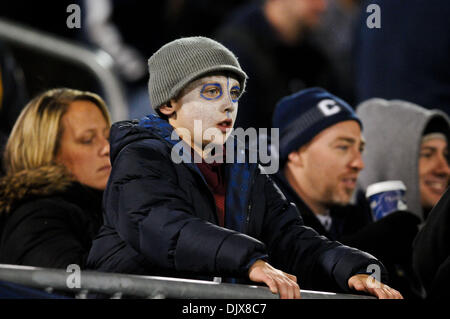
(153, 127)
(393, 131)
(128, 131)
(29, 183)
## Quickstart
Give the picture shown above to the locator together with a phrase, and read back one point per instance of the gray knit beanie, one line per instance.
(181, 61)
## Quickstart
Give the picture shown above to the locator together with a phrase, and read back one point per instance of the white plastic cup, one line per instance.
(386, 197)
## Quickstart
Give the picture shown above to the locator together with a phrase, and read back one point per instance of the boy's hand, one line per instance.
(381, 291)
(277, 281)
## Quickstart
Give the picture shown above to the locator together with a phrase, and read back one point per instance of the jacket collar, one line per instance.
(165, 131)
(307, 214)
(42, 181)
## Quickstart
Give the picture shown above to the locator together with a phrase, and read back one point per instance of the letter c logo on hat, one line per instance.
(328, 107)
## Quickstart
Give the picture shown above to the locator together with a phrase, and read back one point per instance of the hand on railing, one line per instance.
(278, 281)
(92, 284)
(370, 285)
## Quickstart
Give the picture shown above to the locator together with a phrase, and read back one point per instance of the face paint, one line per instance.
(208, 102)
(235, 93)
(211, 91)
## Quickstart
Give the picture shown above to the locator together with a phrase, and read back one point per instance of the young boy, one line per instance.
(193, 218)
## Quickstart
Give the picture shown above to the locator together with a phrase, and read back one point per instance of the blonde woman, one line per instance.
(57, 166)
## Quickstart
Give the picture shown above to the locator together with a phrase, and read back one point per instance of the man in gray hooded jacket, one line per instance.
(405, 142)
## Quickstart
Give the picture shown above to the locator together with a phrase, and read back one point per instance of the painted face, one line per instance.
(434, 172)
(207, 109)
(84, 145)
(331, 163)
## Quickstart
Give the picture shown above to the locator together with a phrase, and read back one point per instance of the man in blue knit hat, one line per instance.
(320, 155)
(320, 150)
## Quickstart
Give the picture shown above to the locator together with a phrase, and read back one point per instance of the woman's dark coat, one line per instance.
(47, 220)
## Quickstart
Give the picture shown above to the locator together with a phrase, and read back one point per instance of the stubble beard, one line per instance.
(336, 197)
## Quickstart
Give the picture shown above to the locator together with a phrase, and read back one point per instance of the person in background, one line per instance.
(57, 166)
(273, 42)
(408, 143)
(321, 156)
(336, 34)
(402, 58)
(320, 159)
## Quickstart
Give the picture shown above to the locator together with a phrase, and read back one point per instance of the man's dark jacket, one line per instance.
(160, 219)
(346, 220)
(431, 250)
(389, 239)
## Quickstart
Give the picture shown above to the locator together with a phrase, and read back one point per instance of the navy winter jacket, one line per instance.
(160, 219)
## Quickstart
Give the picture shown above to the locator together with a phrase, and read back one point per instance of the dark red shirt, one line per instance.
(214, 174)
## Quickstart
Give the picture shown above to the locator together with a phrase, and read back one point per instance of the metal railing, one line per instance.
(98, 62)
(119, 285)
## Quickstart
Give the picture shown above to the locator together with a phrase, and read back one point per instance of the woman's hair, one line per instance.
(35, 138)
